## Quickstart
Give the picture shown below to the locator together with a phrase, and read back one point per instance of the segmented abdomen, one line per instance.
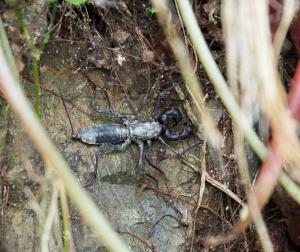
(103, 133)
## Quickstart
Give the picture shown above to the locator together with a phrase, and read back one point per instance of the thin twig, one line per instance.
(68, 115)
(201, 191)
(203, 178)
(216, 183)
(37, 85)
(138, 238)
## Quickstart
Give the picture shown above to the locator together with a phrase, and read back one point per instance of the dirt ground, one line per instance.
(119, 50)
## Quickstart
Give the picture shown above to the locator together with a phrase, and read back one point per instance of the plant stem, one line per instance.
(36, 54)
(37, 86)
(7, 50)
(67, 232)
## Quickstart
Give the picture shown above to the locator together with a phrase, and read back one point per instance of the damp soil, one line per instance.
(117, 51)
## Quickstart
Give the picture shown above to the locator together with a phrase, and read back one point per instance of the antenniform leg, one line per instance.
(168, 146)
(182, 152)
(110, 111)
(161, 97)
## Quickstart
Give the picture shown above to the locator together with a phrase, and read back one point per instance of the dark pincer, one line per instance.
(170, 118)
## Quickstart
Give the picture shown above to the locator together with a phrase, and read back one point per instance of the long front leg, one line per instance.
(149, 147)
(142, 156)
(168, 146)
(106, 148)
(175, 151)
(97, 155)
(111, 112)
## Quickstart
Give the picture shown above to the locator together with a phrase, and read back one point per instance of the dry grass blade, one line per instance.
(9, 56)
(203, 175)
(272, 96)
(67, 231)
(289, 9)
(217, 78)
(252, 59)
(202, 170)
(238, 32)
(216, 184)
(45, 236)
(251, 56)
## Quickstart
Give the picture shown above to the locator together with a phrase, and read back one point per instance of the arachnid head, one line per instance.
(145, 130)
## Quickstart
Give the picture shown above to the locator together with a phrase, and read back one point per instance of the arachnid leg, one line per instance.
(97, 155)
(106, 148)
(148, 158)
(147, 153)
(168, 146)
(142, 156)
(153, 115)
(149, 146)
(94, 103)
(191, 147)
(109, 147)
(175, 151)
(111, 112)
(160, 98)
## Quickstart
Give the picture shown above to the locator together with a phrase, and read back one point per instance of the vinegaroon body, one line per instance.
(110, 137)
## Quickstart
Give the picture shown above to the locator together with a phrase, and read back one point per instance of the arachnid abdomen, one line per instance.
(103, 133)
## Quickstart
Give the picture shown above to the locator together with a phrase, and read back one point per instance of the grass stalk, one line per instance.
(7, 50)
(49, 219)
(36, 54)
(43, 209)
(67, 232)
(37, 86)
